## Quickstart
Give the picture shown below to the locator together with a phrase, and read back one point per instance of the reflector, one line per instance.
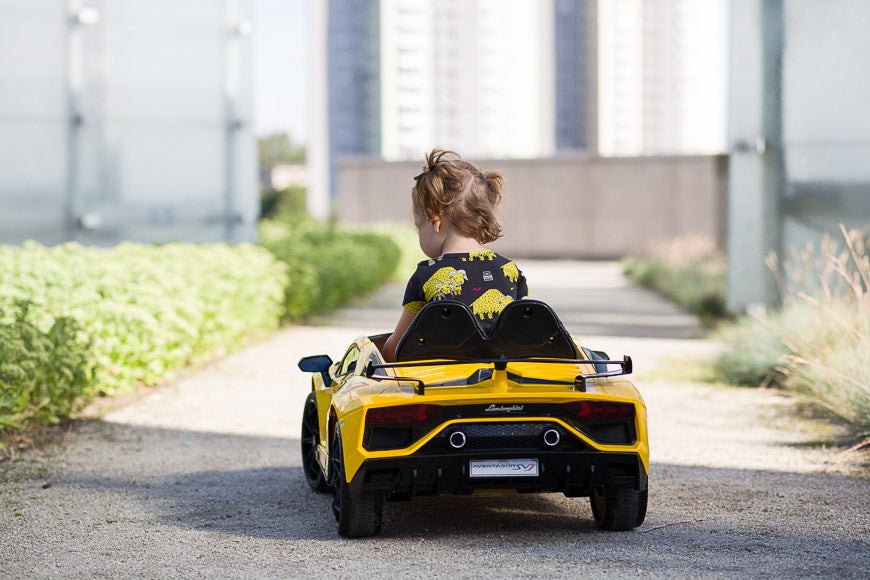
(402, 414)
(600, 410)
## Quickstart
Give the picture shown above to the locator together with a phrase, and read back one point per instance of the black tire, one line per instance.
(618, 508)
(310, 438)
(357, 515)
(641, 508)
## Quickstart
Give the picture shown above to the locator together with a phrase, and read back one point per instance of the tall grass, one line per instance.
(828, 360)
(818, 344)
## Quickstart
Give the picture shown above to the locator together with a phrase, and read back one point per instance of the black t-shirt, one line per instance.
(484, 281)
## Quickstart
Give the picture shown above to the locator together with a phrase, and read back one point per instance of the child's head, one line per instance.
(456, 190)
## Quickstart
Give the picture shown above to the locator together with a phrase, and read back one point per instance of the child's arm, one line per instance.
(390, 346)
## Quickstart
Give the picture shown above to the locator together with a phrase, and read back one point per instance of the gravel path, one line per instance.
(203, 478)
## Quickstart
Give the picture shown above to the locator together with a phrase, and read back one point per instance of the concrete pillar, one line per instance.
(756, 173)
(318, 196)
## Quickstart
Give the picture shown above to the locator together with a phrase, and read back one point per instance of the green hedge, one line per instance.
(77, 322)
(43, 375)
(329, 265)
(137, 311)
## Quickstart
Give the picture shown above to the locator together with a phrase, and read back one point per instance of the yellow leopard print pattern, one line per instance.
(445, 282)
(511, 272)
(483, 255)
(490, 304)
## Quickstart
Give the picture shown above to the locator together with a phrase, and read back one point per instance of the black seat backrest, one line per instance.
(529, 328)
(447, 329)
(442, 329)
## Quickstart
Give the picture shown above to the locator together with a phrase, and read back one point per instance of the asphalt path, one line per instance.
(202, 478)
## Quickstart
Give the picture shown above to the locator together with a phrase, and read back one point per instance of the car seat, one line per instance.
(449, 330)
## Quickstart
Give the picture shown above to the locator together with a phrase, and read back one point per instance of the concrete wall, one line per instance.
(566, 207)
(126, 120)
(800, 134)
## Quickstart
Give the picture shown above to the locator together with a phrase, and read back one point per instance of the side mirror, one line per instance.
(318, 363)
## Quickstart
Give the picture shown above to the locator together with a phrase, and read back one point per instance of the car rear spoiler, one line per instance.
(500, 364)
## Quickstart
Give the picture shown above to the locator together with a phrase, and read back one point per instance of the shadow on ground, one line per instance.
(699, 520)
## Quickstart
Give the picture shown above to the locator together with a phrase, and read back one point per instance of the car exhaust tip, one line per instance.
(457, 439)
(551, 437)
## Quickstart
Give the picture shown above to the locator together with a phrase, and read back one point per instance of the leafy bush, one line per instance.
(44, 376)
(688, 271)
(404, 235)
(328, 265)
(79, 322)
(146, 310)
(284, 205)
(818, 344)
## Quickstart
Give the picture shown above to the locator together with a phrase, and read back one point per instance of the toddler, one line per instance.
(454, 211)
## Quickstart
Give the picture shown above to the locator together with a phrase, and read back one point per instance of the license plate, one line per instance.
(503, 468)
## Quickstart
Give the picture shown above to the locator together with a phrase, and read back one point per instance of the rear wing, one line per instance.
(500, 364)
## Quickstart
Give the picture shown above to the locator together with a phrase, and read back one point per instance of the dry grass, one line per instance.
(828, 359)
(818, 344)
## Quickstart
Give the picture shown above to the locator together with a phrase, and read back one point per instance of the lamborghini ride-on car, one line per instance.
(525, 407)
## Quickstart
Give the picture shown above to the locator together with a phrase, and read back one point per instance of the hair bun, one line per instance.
(460, 192)
(495, 181)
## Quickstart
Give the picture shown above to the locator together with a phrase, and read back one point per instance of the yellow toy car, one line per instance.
(525, 407)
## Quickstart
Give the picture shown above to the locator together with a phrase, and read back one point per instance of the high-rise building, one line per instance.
(521, 79)
(661, 76)
(575, 36)
(353, 77)
(405, 76)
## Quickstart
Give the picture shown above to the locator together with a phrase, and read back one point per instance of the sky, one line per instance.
(281, 67)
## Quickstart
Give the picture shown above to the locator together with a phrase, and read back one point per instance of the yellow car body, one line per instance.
(374, 431)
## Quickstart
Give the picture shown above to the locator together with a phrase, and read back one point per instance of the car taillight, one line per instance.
(402, 415)
(600, 410)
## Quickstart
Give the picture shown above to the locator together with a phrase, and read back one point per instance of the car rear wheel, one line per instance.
(618, 508)
(357, 515)
(310, 439)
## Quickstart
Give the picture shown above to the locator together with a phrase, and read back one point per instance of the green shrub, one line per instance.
(79, 322)
(284, 205)
(404, 235)
(146, 310)
(688, 271)
(328, 265)
(44, 376)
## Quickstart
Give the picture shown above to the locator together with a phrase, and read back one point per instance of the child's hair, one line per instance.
(459, 191)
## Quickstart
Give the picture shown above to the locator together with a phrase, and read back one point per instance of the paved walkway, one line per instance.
(595, 302)
(591, 298)
(202, 478)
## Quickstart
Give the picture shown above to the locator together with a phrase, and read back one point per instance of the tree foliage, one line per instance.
(279, 149)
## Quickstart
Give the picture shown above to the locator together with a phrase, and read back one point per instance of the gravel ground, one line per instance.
(203, 477)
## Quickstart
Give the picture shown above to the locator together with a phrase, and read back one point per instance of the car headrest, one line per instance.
(442, 329)
(529, 328)
(447, 329)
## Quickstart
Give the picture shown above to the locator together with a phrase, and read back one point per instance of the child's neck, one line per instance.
(461, 245)
(455, 242)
